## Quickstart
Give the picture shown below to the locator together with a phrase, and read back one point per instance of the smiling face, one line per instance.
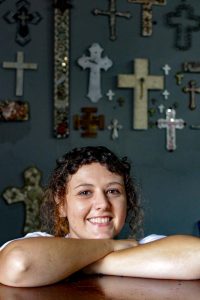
(95, 203)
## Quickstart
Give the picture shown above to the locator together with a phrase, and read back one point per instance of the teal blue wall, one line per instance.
(169, 181)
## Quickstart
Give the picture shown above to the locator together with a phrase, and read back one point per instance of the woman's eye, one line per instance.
(113, 192)
(84, 193)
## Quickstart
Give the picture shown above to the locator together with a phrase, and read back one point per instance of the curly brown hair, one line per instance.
(68, 165)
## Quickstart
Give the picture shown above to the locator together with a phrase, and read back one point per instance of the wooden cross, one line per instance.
(31, 194)
(95, 63)
(179, 76)
(192, 89)
(14, 111)
(141, 81)
(23, 18)
(89, 122)
(171, 124)
(115, 127)
(112, 13)
(20, 66)
(185, 22)
(147, 14)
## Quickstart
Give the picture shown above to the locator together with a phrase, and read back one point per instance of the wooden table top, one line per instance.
(109, 288)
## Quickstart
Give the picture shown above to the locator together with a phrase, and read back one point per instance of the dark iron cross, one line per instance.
(192, 89)
(185, 22)
(112, 13)
(23, 18)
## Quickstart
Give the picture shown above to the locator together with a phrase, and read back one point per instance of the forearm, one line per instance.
(174, 257)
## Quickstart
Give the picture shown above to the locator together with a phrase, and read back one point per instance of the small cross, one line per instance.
(147, 14)
(112, 14)
(171, 124)
(166, 94)
(179, 77)
(115, 127)
(192, 89)
(110, 95)
(95, 63)
(31, 194)
(166, 69)
(161, 108)
(20, 66)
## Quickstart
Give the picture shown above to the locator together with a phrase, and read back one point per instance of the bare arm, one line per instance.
(45, 260)
(174, 257)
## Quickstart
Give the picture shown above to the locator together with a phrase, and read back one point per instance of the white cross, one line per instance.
(20, 66)
(95, 63)
(166, 69)
(161, 108)
(110, 95)
(166, 94)
(171, 124)
(115, 127)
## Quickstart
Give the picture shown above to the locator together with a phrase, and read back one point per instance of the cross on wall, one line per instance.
(192, 89)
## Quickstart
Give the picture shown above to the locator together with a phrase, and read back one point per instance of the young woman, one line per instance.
(87, 202)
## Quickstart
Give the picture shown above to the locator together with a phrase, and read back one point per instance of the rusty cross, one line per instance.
(192, 89)
(147, 14)
(89, 122)
(112, 13)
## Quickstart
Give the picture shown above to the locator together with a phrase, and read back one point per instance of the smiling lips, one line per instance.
(100, 220)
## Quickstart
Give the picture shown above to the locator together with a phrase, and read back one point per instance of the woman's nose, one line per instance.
(101, 201)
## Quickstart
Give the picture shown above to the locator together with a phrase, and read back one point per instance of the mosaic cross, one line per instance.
(61, 71)
(192, 89)
(141, 82)
(23, 18)
(20, 66)
(89, 122)
(147, 14)
(112, 13)
(14, 111)
(31, 195)
(115, 127)
(171, 124)
(95, 62)
(185, 22)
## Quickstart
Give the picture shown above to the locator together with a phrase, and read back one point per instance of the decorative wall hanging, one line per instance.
(141, 82)
(185, 23)
(31, 195)
(89, 122)
(115, 127)
(192, 89)
(112, 13)
(171, 124)
(192, 67)
(61, 68)
(20, 66)
(14, 111)
(95, 63)
(147, 14)
(179, 77)
(110, 94)
(23, 18)
(166, 69)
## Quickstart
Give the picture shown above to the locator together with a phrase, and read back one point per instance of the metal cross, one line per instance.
(115, 127)
(95, 63)
(171, 124)
(20, 66)
(147, 14)
(192, 89)
(112, 13)
(23, 18)
(185, 22)
(166, 69)
(166, 94)
(110, 95)
(141, 82)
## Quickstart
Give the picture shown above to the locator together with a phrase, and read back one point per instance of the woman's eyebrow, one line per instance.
(84, 185)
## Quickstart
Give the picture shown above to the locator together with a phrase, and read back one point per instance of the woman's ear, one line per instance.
(61, 208)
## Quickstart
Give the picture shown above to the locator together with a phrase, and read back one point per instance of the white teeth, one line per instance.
(100, 220)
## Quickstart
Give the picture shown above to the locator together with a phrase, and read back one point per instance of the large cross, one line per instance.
(112, 13)
(20, 66)
(171, 124)
(31, 194)
(95, 63)
(141, 82)
(23, 18)
(192, 89)
(147, 14)
(185, 22)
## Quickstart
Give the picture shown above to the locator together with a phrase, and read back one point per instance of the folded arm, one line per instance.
(174, 257)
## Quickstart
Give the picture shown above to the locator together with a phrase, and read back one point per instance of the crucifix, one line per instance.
(112, 13)
(185, 22)
(20, 66)
(141, 82)
(192, 89)
(147, 13)
(23, 18)
(171, 124)
(31, 194)
(115, 127)
(95, 62)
